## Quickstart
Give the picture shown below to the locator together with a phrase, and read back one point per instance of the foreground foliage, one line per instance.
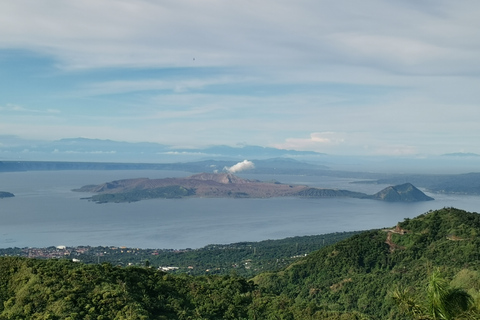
(441, 301)
(360, 273)
(50, 289)
(358, 278)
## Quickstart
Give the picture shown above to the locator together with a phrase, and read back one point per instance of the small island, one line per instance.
(4, 194)
(406, 192)
(227, 185)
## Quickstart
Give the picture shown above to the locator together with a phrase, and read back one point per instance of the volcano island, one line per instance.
(227, 185)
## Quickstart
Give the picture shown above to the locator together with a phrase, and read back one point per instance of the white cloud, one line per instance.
(84, 152)
(241, 166)
(317, 141)
(392, 35)
(184, 153)
(12, 107)
(396, 150)
(19, 109)
(171, 85)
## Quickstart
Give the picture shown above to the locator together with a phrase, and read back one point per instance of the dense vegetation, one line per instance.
(362, 277)
(329, 193)
(51, 289)
(170, 192)
(359, 274)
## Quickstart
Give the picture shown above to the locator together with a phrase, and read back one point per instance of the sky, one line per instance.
(399, 78)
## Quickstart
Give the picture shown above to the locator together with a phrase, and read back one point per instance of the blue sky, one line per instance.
(369, 77)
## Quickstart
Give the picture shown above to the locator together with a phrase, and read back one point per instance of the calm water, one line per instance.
(45, 212)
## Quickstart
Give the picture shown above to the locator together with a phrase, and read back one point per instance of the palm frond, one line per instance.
(407, 303)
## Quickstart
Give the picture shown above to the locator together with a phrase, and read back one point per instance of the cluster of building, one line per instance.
(50, 252)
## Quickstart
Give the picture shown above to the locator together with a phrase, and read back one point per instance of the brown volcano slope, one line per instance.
(227, 185)
(202, 185)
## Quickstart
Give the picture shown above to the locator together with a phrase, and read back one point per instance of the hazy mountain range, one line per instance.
(95, 150)
(108, 150)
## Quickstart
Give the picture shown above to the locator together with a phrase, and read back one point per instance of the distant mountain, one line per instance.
(461, 154)
(248, 152)
(406, 192)
(109, 150)
(266, 166)
(468, 183)
(105, 146)
(79, 146)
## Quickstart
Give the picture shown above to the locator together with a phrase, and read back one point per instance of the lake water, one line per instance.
(45, 212)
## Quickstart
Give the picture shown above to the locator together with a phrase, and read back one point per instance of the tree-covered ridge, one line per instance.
(360, 273)
(50, 289)
(358, 278)
(329, 193)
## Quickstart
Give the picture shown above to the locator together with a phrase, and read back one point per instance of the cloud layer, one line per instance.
(407, 36)
(340, 77)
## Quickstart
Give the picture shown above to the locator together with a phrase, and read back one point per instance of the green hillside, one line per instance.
(358, 278)
(360, 273)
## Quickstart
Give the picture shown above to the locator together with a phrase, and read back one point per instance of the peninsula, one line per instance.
(227, 185)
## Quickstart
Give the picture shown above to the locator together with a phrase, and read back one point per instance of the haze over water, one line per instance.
(45, 212)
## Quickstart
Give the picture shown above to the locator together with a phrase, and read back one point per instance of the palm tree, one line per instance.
(442, 301)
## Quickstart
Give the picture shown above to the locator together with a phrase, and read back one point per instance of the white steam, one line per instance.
(244, 165)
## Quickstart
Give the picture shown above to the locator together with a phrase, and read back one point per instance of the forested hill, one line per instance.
(358, 278)
(360, 273)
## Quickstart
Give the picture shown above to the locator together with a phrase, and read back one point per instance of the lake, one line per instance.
(45, 212)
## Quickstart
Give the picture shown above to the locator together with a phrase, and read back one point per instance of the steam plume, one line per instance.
(244, 165)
